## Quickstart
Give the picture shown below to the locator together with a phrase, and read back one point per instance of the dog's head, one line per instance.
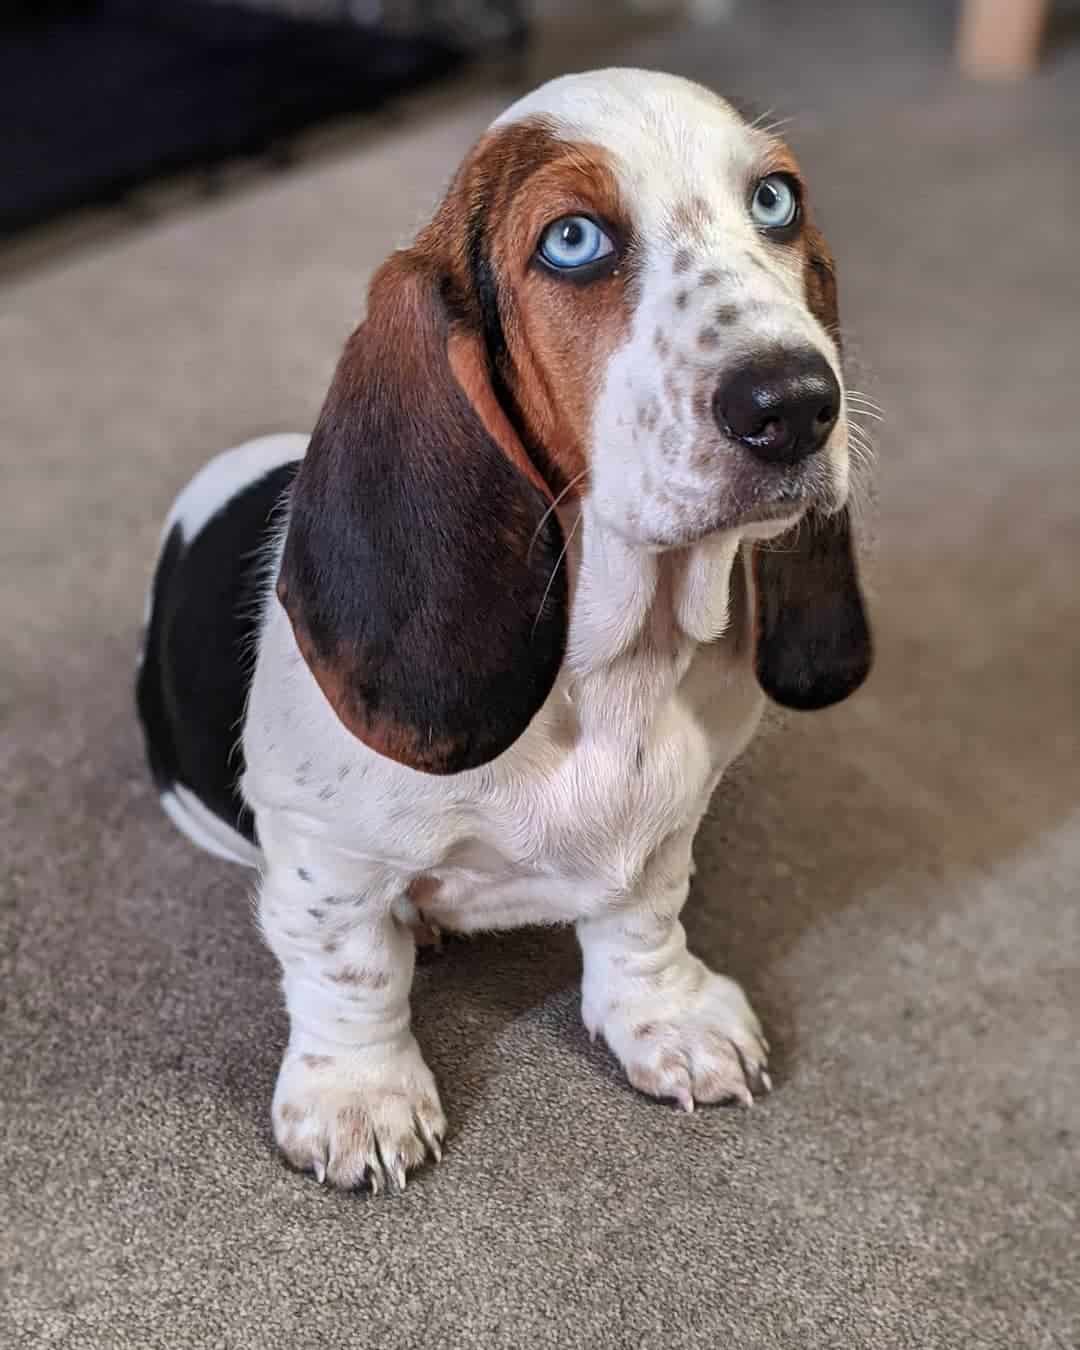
(623, 297)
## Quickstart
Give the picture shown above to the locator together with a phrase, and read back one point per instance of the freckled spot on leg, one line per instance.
(343, 772)
(291, 1114)
(317, 1061)
(341, 900)
(681, 299)
(327, 793)
(644, 1030)
(660, 342)
(303, 874)
(726, 315)
(711, 277)
(683, 261)
(317, 914)
(708, 337)
(330, 946)
(360, 975)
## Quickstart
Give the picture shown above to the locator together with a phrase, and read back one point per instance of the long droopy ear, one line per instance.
(814, 646)
(813, 639)
(420, 570)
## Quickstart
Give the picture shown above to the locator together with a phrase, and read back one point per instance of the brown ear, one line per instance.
(813, 640)
(420, 570)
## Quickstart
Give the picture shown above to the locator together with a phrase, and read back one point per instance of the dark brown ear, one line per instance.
(813, 639)
(420, 570)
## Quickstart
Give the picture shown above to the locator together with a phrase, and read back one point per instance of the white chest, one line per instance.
(619, 761)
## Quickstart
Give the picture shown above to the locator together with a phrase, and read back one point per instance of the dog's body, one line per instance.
(484, 695)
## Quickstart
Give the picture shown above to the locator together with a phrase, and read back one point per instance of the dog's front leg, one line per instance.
(678, 1029)
(354, 1101)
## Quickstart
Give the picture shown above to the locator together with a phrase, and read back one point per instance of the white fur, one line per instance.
(589, 818)
(206, 829)
(224, 476)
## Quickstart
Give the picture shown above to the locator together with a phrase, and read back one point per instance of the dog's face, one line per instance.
(667, 303)
(622, 298)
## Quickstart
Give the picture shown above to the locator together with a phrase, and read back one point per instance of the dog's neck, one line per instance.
(637, 618)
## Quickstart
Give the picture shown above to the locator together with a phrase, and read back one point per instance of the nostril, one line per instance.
(771, 434)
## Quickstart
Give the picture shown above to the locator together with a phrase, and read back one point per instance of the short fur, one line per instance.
(528, 599)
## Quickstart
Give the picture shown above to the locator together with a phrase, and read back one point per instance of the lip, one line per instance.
(785, 509)
(791, 509)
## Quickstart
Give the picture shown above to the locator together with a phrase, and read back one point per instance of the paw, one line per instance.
(700, 1041)
(356, 1116)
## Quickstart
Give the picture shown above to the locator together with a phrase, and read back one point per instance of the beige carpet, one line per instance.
(896, 881)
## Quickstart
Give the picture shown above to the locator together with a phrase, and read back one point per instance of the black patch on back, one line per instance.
(200, 648)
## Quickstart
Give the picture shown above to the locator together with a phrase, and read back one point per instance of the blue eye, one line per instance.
(776, 203)
(574, 241)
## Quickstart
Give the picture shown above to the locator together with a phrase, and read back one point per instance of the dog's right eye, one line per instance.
(573, 242)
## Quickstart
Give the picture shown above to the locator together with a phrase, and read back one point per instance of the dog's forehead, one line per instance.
(666, 138)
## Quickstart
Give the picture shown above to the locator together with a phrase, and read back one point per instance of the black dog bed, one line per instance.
(99, 98)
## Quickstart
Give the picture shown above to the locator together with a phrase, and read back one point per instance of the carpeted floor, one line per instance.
(895, 882)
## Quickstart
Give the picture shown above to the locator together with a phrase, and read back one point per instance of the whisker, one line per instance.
(865, 412)
(544, 518)
(860, 439)
(555, 571)
(767, 127)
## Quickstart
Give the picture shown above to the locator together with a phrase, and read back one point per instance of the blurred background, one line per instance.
(105, 101)
(193, 197)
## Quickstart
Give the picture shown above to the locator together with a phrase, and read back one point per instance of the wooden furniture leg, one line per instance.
(999, 39)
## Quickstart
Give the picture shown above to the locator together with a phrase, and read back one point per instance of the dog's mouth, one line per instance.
(762, 499)
(763, 495)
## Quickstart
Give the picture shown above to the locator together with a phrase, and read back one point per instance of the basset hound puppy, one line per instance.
(576, 503)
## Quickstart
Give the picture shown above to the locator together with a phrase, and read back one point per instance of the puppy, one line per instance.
(575, 504)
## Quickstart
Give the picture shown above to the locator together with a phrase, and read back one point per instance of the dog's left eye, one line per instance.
(775, 203)
(574, 241)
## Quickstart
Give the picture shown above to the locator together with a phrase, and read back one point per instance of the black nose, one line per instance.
(782, 406)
